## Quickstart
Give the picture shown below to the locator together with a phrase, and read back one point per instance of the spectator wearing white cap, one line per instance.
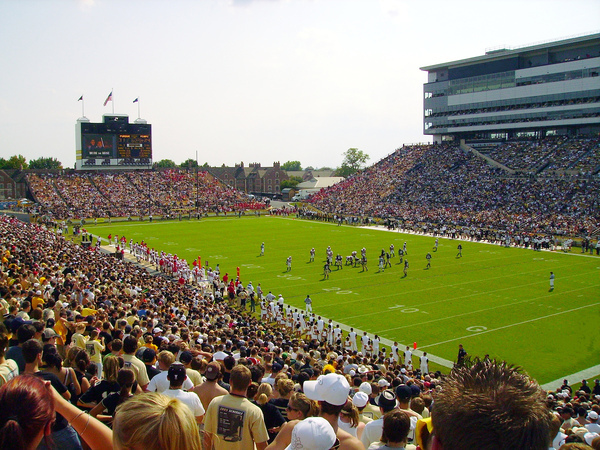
(593, 425)
(371, 410)
(361, 400)
(331, 391)
(314, 433)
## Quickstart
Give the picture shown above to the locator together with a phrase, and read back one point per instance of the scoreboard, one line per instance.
(116, 138)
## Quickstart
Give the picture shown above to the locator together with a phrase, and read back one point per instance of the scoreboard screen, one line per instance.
(134, 146)
(98, 145)
(116, 139)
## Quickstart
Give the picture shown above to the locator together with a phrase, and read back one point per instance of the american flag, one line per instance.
(108, 99)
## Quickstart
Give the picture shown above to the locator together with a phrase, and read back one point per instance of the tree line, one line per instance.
(20, 162)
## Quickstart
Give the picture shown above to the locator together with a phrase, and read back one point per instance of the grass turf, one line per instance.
(493, 300)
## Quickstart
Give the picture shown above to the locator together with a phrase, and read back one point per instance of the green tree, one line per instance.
(166, 164)
(14, 162)
(291, 165)
(189, 163)
(205, 165)
(354, 160)
(48, 163)
(292, 182)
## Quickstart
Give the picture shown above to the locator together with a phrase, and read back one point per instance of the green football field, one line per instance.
(493, 300)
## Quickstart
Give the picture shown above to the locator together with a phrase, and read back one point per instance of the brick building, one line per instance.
(12, 184)
(253, 179)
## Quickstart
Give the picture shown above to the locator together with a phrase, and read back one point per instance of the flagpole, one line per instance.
(112, 100)
(82, 107)
(138, 102)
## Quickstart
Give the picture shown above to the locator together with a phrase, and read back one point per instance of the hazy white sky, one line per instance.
(248, 80)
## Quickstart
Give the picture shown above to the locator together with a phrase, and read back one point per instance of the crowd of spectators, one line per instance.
(66, 307)
(549, 154)
(440, 185)
(134, 194)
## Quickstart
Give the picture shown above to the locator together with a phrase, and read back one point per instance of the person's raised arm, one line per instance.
(95, 434)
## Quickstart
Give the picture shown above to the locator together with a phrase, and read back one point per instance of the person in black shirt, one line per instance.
(462, 353)
(149, 359)
(62, 435)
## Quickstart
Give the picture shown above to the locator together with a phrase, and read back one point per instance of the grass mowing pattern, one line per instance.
(493, 300)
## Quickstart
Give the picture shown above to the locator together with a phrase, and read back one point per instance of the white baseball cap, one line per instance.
(360, 399)
(366, 388)
(314, 433)
(331, 388)
(383, 382)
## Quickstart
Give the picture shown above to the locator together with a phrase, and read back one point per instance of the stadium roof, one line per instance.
(504, 52)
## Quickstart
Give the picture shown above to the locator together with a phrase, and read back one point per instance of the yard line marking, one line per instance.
(472, 312)
(510, 326)
(463, 297)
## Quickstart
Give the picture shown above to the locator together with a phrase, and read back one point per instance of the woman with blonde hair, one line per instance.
(299, 408)
(108, 385)
(148, 421)
(153, 421)
(284, 387)
(273, 418)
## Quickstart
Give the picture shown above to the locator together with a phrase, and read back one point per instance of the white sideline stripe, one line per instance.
(581, 375)
(511, 325)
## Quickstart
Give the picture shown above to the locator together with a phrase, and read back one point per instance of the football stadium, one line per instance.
(412, 286)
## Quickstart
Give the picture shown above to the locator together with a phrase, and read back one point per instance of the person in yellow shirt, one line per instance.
(149, 342)
(88, 312)
(37, 300)
(61, 327)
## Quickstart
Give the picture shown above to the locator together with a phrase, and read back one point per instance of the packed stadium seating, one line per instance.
(446, 185)
(133, 193)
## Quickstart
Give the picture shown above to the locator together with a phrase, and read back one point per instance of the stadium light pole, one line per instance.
(197, 205)
(149, 201)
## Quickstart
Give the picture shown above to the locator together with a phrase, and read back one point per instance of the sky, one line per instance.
(249, 80)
